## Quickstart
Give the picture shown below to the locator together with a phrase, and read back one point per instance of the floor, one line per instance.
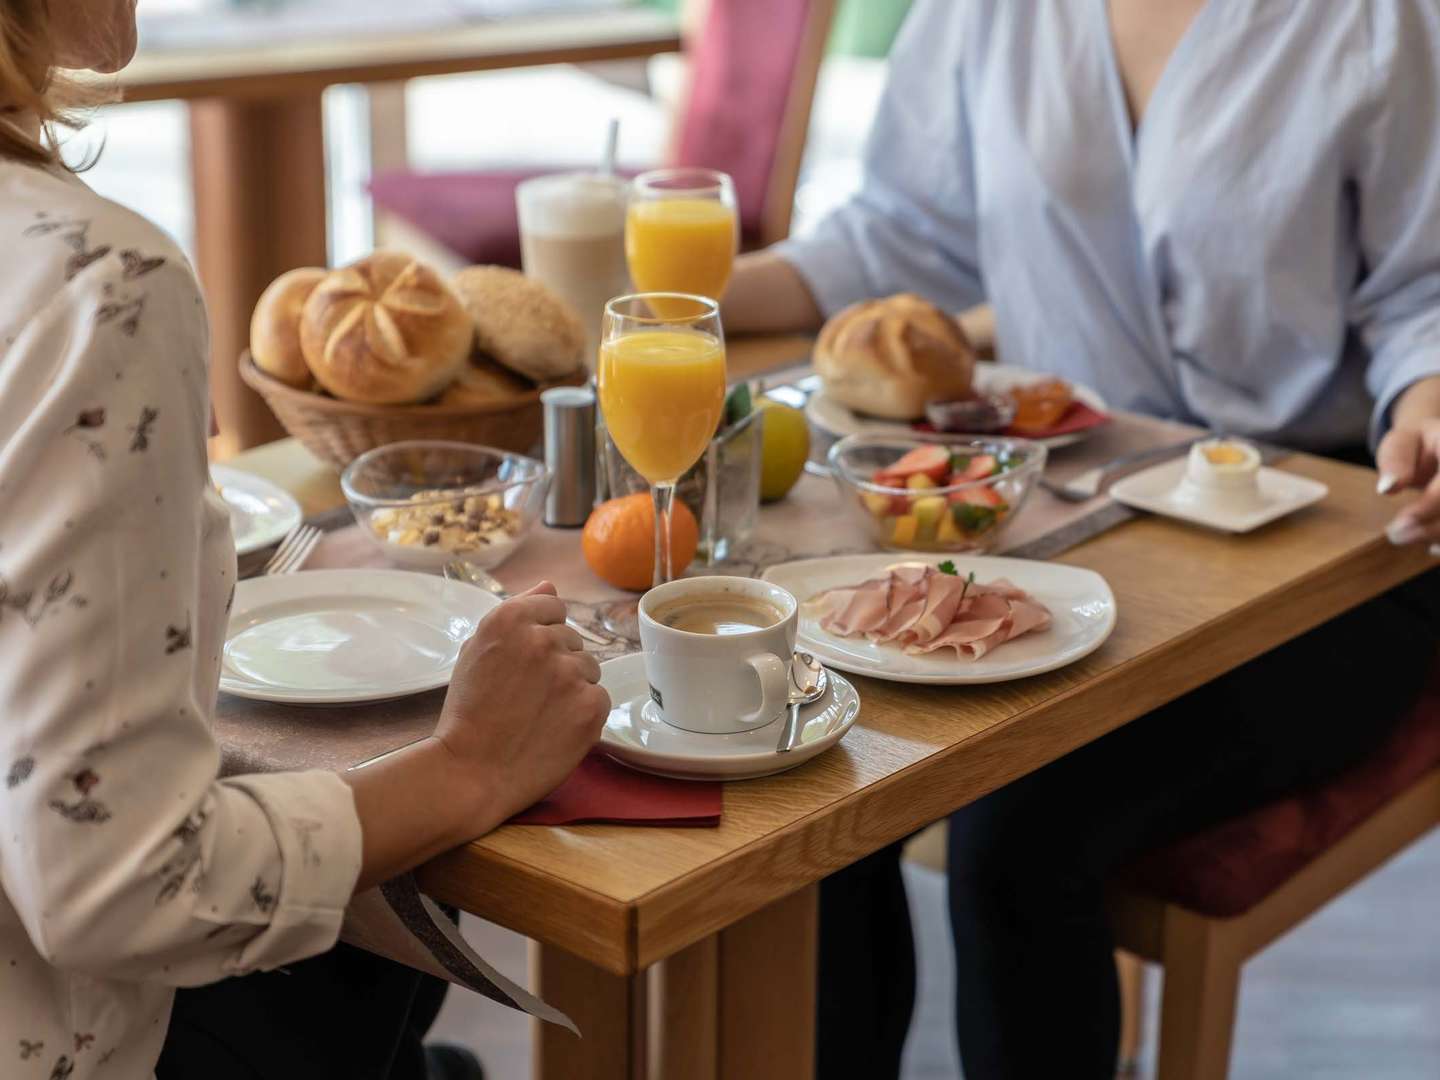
(1354, 994)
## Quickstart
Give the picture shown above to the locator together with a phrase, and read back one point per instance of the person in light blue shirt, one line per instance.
(1222, 212)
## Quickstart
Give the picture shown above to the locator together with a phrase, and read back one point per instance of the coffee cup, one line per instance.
(717, 652)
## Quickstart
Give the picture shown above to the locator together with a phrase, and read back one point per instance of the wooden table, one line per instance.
(258, 154)
(690, 953)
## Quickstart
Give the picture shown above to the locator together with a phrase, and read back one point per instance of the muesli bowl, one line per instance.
(917, 495)
(427, 502)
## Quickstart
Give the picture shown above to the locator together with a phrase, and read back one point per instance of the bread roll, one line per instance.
(484, 382)
(521, 323)
(275, 326)
(889, 357)
(385, 331)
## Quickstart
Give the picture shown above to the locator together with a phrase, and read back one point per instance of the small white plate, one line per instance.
(636, 736)
(829, 415)
(1155, 490)
(1082, 610)
(261, 514)
(337, 637)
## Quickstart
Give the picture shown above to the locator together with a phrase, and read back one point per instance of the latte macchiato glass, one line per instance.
(718, 651)
(572, 239)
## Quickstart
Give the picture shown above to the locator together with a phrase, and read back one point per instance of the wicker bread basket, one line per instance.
(338, 431)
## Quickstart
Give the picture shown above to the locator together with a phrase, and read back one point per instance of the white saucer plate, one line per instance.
(636, 736)
(261, 514)
(829, 415)
(1082, 609)
(1156, 489)
(339, 637)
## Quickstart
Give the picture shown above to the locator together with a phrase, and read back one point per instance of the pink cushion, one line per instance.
(1226, 870)
(473, 214)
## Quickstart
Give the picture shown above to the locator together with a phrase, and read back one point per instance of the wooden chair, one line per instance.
(1203, 906)
(753, 68)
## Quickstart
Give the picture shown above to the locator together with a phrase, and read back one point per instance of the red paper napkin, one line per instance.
(1078, 417)
(602, 790)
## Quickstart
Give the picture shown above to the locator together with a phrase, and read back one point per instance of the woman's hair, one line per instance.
(29, 85)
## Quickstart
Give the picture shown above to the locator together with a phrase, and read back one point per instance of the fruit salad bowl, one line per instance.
(923, 496)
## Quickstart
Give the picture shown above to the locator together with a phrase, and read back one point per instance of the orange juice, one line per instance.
(681, 245)
(662, 393)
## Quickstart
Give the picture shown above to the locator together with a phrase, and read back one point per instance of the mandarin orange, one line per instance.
(619, 540)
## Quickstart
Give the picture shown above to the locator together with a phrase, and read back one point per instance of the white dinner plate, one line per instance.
(829, 415)
(1082, 610)
(261, 514)
(337, 637)
(636, 736)
(1158, 490)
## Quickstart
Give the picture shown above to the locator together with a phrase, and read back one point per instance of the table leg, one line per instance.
(258, 168)
(685, 1014)
(608, 1009)
(766, 997)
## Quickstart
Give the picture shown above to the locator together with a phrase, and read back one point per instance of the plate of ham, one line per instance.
(978, 619)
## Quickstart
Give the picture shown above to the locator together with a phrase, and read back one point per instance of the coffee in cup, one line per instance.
(718, 651)
(572, 239)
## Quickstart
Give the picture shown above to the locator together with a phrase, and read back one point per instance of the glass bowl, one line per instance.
(426, 502)
(962, 500)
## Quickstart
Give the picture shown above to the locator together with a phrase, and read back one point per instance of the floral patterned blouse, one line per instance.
(128, 868)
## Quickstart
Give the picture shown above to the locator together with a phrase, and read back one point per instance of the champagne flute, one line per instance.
(661, 378)
(681, 232)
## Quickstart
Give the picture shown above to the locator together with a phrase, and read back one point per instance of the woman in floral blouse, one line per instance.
(128, 867)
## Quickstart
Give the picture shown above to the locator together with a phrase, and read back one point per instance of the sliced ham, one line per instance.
(925, 611)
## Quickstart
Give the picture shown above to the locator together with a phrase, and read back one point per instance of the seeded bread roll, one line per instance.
(275, 326)
(386, 330)
(889, 358)
(521, 323)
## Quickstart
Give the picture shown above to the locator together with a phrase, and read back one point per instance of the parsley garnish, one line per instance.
(948, 567)
(970, 580)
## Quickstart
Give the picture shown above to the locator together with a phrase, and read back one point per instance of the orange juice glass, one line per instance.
(661, 376)
(681, 232)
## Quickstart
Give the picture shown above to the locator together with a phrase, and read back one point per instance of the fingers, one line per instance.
(1420, 521)
(588, 665)
(1398, 459)
(564, 639)
(540, 588)
(536, 607)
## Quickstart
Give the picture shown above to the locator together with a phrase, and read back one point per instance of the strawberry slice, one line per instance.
(931, 461)
(979, 496)
(980, 467)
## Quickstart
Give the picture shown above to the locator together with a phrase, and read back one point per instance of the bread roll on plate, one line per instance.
(275, 326)
(484, 382)
(521, 323)
(889, 358)
(386, 330)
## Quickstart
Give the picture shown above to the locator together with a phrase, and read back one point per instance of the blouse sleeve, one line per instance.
(1396, 304)
(122, 852)
(912, 225)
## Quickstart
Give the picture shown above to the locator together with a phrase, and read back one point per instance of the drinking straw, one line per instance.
(612, 144)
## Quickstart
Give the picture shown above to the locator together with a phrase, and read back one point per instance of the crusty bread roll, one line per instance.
(889, 357)
(484, 382)
(521, 323)
(386, 330)
(275, 326)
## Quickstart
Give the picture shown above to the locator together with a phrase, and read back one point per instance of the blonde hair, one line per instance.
(30, 86)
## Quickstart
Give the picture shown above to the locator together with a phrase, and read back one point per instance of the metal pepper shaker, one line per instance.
(569, 413)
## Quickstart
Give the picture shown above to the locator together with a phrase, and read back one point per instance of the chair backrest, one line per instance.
(753, 67)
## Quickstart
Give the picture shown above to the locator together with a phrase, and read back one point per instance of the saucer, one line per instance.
(1156, 490)
(636, 736)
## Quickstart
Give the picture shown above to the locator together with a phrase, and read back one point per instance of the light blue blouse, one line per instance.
(1262, 256)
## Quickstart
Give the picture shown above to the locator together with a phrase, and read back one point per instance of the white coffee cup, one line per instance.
(719, 684)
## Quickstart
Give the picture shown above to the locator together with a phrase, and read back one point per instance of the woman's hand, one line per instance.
(1409, 457)
(524, 705)
(523, 708)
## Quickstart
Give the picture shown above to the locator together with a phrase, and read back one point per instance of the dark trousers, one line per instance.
(345, 1015)
(1037, 996)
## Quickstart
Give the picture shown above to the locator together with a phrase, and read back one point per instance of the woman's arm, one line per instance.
(911, 227)
(123, 854)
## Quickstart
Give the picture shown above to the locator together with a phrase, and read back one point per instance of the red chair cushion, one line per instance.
(1226, 870)
(471, 213)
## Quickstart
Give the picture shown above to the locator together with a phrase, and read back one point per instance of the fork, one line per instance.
(299, 544)
(1092, 482)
